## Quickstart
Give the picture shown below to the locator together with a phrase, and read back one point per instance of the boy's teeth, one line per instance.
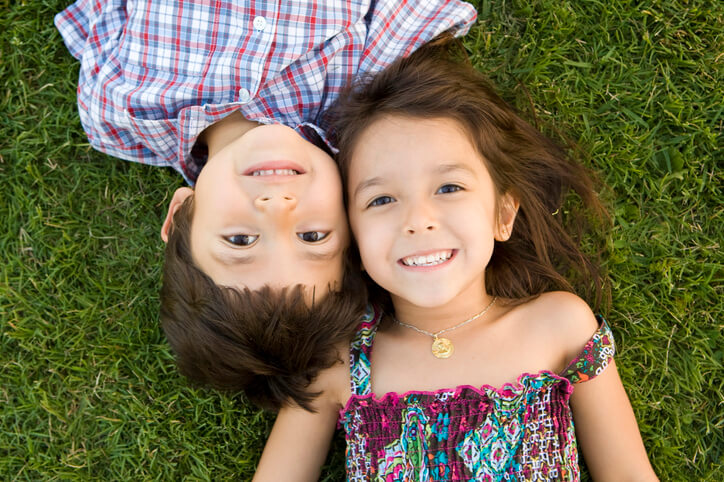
(277, 172)
(429, 260)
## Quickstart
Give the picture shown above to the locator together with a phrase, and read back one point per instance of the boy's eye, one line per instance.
(242, 239)
(379, 201)
(312, 236)
(448, 188)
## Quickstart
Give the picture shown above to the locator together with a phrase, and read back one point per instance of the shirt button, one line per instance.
(244, 96)
(259, 23)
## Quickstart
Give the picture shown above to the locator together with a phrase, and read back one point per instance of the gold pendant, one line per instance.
(442, 348)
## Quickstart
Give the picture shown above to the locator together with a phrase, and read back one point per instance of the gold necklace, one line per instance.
(443, 347)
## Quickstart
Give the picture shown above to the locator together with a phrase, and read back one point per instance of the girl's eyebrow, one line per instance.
(445, 168)
(367, 183)
(441, 169)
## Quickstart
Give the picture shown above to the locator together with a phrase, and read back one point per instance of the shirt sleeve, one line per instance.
(393, 29)
(398, 28)
(74, 24)
(595, 357)
(143, 92)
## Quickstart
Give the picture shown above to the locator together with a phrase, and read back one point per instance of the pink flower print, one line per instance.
(513, 430)
(486, 432)
(463, 425)
(498, 455)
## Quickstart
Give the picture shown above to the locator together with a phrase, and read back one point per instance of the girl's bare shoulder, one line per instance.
(560, 319)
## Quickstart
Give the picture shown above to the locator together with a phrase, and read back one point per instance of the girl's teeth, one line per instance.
(429, 260)
(277, 172)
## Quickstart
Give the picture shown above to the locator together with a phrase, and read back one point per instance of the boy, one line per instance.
(232, 96)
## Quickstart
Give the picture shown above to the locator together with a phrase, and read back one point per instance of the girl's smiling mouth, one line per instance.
(431, 259)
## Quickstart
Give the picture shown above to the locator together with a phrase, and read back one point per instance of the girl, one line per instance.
(481, 358)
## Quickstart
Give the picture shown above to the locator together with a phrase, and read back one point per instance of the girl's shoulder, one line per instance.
(559, 319)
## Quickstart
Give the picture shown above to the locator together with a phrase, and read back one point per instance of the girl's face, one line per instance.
(422, 207)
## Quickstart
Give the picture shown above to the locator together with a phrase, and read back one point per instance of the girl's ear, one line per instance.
(177, 200)
(508, 206)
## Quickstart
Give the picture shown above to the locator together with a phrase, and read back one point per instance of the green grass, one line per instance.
(88, 389)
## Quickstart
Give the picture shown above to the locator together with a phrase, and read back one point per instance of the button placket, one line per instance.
(259, 23)
(244, 95)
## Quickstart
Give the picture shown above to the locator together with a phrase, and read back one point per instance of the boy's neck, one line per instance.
(223, 132)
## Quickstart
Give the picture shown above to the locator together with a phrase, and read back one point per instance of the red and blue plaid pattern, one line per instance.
(155, 73)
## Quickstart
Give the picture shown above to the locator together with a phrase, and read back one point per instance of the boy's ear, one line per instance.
(508, 206)
(177, 200)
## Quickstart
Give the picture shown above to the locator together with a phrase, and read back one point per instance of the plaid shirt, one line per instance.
(155, 73)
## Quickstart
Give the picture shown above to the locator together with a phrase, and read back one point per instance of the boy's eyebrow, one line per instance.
(231, 260)
(373, 181)
(319, 255)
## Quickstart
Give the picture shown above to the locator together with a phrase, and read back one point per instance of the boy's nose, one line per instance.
(275, 203)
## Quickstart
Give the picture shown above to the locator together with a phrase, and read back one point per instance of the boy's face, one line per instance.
(268, 209)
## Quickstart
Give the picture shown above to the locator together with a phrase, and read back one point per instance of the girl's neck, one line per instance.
(437, 318)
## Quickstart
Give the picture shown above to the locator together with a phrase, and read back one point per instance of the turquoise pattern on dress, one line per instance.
(487, 450)
(359, 361)
(521, 431)
(403, 458)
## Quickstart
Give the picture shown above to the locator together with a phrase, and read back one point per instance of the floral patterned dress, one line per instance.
(521, 431)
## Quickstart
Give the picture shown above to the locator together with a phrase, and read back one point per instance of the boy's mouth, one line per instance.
(431, 259)
(275, 172)
(275, 168)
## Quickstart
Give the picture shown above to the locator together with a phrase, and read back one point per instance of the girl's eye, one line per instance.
(380, 201)
(312, 236)
(242, 239)
(448, 188)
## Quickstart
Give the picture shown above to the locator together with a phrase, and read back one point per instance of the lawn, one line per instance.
(88, 388)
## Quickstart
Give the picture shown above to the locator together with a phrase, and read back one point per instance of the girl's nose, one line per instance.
(420, 219)
(414, 229)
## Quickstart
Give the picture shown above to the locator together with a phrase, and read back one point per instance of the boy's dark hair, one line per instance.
(543, 253)
(267, 343)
